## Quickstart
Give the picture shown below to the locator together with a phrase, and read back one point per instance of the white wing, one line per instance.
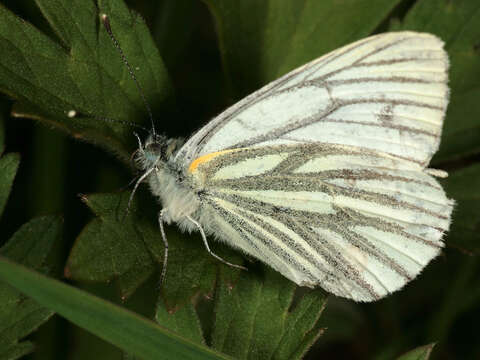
(387, 92)
(358, 223)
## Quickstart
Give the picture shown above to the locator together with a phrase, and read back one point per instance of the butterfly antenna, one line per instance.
(129, 123)
(74, 114)
(106, 24)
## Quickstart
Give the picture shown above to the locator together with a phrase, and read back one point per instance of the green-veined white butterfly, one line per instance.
(322, 173)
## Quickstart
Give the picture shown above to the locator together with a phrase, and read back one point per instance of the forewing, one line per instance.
(358, 223)
(387, 92)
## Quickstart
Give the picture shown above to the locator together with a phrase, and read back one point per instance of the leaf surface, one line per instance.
(262, 40)
(254, 319)
(83, 71)
(420, 353)
(20, 315)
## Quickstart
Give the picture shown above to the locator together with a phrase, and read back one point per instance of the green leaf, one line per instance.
(8, 169)
(302, 329)
(253, 319)
(420, 353)
(114, 324)
(83, 72)
(32, 243)
(16, 351)
(261, 40)
(2, 135)
(462, 185)
(456, 22)
(19, 315)
(463, 296)
(185, 321)
(112, 248)
(169, 29)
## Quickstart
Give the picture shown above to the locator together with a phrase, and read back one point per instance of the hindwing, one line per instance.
(357, 222)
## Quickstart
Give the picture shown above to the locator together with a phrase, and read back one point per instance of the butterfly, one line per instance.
(322, 174)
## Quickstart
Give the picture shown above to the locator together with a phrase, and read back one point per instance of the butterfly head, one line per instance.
(156, 150)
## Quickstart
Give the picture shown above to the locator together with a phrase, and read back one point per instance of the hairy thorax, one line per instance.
(178, 198)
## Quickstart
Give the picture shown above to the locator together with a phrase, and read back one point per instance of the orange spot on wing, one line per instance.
(206, 158)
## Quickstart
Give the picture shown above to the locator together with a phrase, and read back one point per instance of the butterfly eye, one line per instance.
(155, 151)
(155, 148)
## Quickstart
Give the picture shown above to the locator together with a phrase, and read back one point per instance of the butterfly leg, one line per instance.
(204, 238)
(139, 181)
(165, 242)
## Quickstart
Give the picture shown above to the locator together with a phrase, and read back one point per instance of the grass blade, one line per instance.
(123, 328)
